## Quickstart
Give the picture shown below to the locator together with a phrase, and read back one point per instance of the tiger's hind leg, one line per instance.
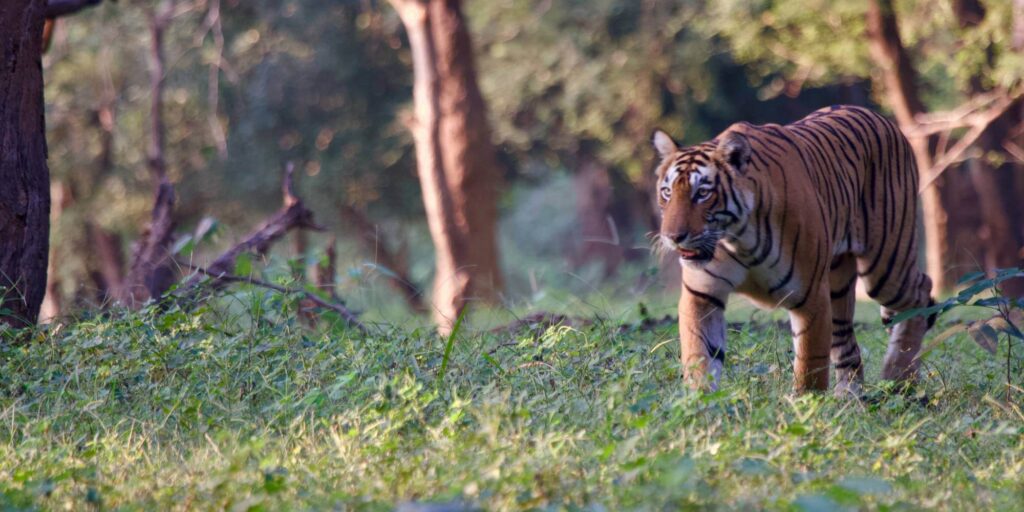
(845, 353)
(898, 288)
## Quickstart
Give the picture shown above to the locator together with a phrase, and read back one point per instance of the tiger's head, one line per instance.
(696, 192)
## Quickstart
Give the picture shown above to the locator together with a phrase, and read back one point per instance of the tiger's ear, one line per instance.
(663, 144)
(734, 150)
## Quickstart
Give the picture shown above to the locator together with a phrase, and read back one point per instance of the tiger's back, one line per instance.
(861, 173)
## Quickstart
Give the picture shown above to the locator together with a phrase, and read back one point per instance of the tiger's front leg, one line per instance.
(702, 337)
(812, 341)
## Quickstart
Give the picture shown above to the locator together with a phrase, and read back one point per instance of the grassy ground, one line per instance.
(247, 409)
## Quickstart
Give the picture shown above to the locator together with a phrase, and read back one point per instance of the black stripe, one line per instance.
(707, 298)
(842, 332)
(722, 278)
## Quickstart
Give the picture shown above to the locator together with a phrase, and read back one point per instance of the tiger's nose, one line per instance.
(680, 238)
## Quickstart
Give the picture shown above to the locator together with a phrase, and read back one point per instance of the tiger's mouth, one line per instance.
(693, 255)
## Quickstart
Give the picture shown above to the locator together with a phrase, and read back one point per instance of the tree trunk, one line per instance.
(599, 238)
(61, 198)
(457, 166)
(151, 272)
(24, 176)
(106, 263)
(900, 83)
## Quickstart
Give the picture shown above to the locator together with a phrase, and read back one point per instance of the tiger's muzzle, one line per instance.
(699, 248)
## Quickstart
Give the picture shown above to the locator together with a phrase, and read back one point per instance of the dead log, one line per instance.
(338, 307)
(293, 215)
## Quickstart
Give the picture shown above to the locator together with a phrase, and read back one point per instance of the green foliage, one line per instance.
(235, 405)
(818, 42)
(1004, 315)
(574, 79)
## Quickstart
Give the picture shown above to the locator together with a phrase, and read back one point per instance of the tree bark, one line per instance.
(457, 167)
(24, 175)
(900, 84)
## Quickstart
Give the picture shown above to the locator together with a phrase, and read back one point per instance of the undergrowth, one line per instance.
(239, 406)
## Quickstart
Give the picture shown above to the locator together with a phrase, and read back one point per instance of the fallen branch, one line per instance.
(294, 215)
(340, 308)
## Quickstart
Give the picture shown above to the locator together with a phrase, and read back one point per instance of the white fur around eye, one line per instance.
(666, 193)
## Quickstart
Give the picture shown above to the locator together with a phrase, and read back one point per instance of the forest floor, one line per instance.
(250, 410)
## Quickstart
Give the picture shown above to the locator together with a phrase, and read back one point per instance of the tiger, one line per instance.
(791, 216)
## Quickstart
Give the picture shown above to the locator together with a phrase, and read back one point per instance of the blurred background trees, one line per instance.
(556, 167)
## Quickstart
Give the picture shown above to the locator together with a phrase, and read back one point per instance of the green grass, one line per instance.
(242, 407)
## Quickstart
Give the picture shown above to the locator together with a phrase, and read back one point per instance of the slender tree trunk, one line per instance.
(107, 263)
(151, 272)
(599, 238)
(456, 161)
(61, 198)
(24, 176)
(900, 83)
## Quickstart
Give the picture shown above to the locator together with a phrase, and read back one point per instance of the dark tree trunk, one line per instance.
(24, 176)
(456, 162)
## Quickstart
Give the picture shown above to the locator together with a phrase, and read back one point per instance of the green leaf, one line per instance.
(797, 429)
(970, 276)
(968, 293)
(942, 337)
(451, 342)
(243, 265)
(991, 302)
(985, 336)
(487, 357)
(185, 244)
(206, 228)
(1000, 324)
(939, 308)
